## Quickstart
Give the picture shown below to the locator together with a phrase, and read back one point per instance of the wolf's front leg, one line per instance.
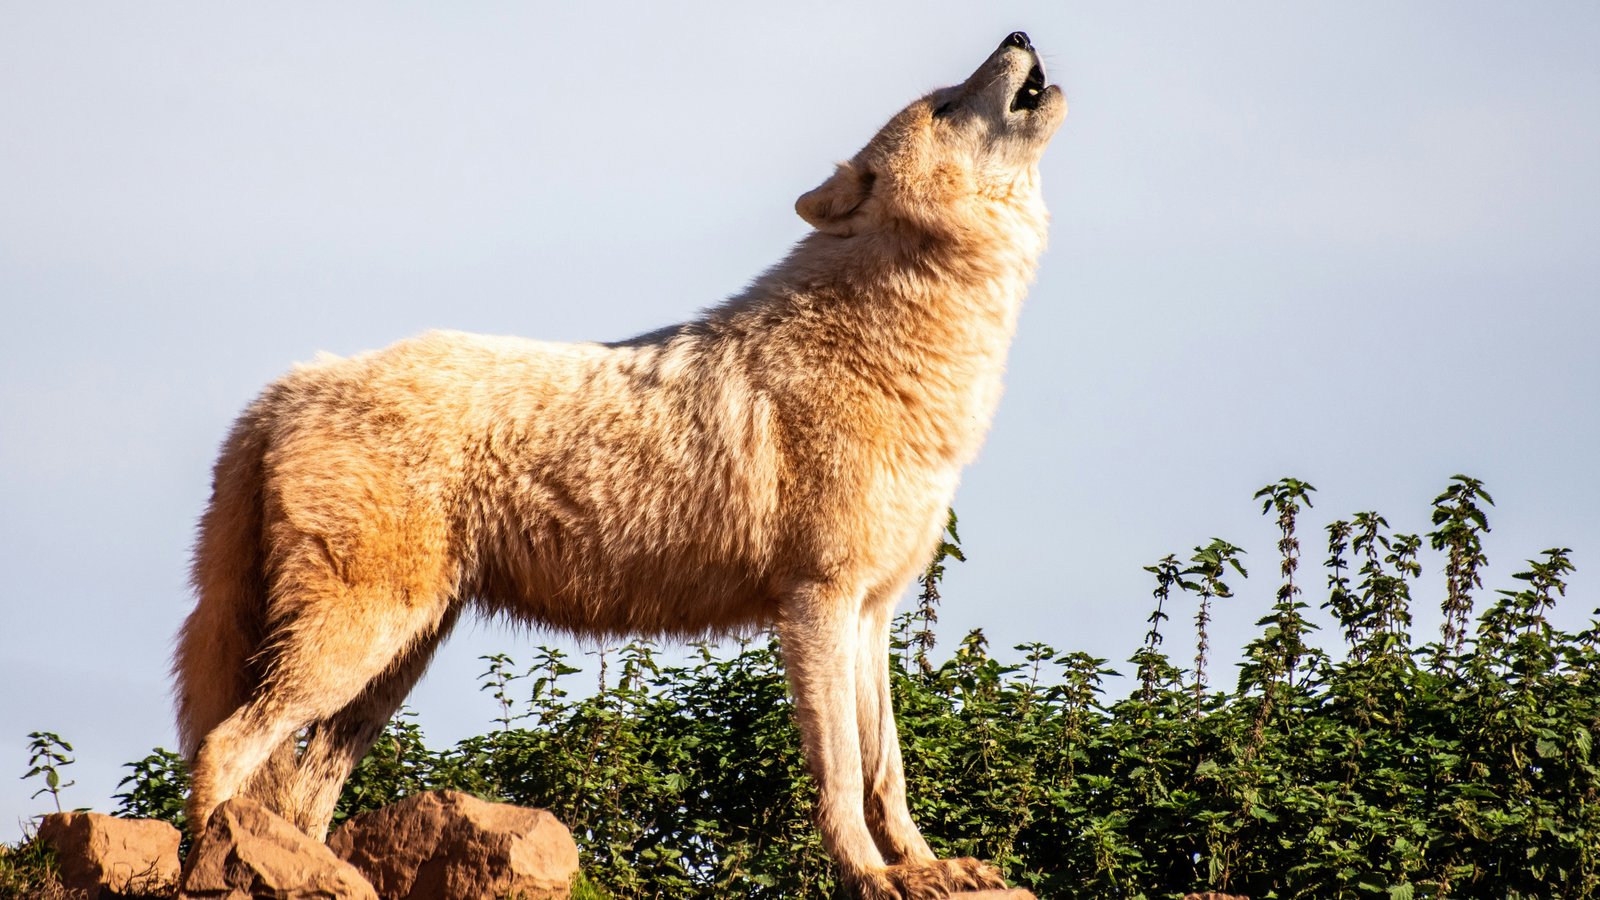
(887, 814)
(818, 627)
(888, 817)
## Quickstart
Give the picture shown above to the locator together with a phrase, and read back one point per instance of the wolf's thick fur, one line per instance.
(785, 459)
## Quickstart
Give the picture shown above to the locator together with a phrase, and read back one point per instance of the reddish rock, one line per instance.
(449, 844)
(247, 851)
(100, 855)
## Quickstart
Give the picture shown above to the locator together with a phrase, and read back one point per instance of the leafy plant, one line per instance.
(1381, 767)
(47, 757)
(155, 788)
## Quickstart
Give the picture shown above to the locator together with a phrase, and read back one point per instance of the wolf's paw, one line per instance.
(928, 881)
(968, 874)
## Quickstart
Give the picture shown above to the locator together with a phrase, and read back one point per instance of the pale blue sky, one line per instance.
(1354, 242)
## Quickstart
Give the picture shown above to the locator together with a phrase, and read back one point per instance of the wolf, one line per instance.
(785, 460)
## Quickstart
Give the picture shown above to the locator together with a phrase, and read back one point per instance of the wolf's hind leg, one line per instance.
(270, 784)
(336, 745)
(323, 657)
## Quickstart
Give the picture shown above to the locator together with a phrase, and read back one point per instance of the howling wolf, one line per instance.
(784, 460)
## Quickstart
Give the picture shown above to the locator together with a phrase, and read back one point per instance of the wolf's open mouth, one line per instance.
(1032, 90)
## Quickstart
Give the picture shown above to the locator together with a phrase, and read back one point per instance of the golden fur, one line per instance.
(784, 460)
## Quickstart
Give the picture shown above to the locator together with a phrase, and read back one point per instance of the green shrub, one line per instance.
(1462, 767)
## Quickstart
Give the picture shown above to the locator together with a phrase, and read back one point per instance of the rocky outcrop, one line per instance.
(99, 855)
(442, 844)
(247, 851)
(449, 844)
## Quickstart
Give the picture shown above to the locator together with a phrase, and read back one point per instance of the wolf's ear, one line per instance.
(830, 207)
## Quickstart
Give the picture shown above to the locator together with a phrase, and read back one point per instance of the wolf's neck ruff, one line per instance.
(925, 318)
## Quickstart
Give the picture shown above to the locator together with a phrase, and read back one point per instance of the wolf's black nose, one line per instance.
(1018, 39)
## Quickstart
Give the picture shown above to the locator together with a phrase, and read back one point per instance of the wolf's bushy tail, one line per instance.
(214, 668)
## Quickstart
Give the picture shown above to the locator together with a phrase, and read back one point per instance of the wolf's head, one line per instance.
(949, 153)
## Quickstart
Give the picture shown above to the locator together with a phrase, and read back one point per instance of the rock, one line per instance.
(449, 844)
(100, 855)
(247, 851)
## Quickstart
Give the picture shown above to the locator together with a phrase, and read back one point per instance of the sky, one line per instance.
(1351, 243)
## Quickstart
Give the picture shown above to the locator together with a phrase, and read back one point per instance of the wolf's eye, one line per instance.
(944, 109)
